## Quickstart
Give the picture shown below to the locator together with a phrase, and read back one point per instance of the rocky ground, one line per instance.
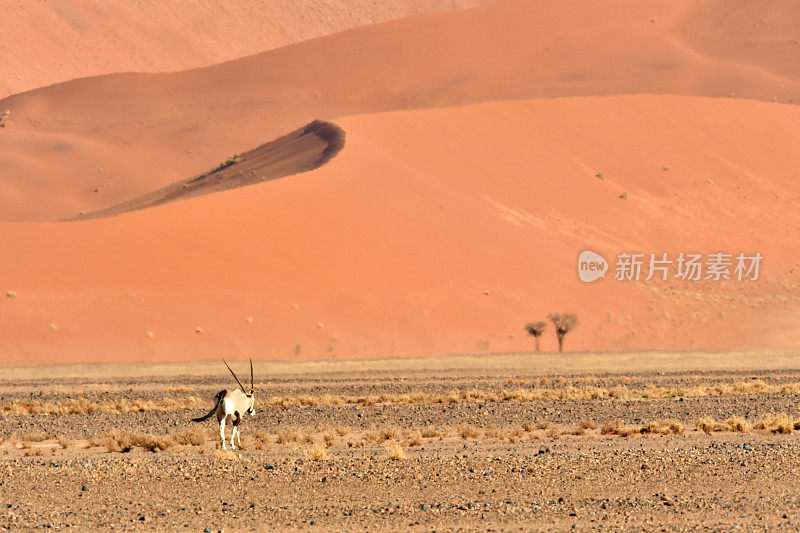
(472, 465)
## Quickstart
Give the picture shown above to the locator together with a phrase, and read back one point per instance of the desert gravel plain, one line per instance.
(510, 442)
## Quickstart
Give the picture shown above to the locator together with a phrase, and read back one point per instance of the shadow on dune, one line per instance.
(302, 150)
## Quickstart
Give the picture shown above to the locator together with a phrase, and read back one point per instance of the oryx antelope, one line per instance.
(232, 405)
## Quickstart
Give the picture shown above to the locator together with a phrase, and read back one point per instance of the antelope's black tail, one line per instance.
(217, 399)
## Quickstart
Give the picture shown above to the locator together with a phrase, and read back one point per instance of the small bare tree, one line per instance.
(564, 323)
(535, 330)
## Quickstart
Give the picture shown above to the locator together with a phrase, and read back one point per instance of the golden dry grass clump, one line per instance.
(82, 406)
(395, 451)
(287, 436)
(781, 423)
(116, 440)
(618, 427)
(318, 453)
(737, 424)
(706, 424)
(664, 427)
(227, 455)
(467, 431)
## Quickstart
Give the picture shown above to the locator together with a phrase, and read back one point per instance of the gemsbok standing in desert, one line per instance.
(233, 405)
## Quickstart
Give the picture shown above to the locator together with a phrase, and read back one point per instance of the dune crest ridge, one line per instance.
(140, 132)
(302, 150)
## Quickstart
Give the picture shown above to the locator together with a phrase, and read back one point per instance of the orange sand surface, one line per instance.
(45, 42)
(89, 144)
(437, 231)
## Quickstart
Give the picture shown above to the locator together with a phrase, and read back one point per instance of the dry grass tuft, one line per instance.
(35, 437)
(318, 453)
(287, 436)
(737, 423)
(414, 438)
(780, 423)
(491, 432)
(430, 432)
(664, 427)
(227, 455)
(706, 424)
(63, 441)
(553, 433)
(589, 424)
(192, 436)
(389, 433)
(617, 427)
(395, 451)
(467, 431)
(124, 441)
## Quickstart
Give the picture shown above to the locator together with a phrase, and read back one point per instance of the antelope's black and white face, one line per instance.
(252, 410)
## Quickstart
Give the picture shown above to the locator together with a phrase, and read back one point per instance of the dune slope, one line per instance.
(302, 150)
(437, 231)
(91, 143)
(50, 42)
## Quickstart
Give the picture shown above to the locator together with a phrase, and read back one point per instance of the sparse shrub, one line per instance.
(563, 323)
(193, 436)
(228, 455)
(706, 424)
(778, 423)
(467, 431)
(35, 437)
(535, 330)
(63, 441)
(33, 452)
(736, 423)
(235, 158)
(318, 453)
(553, 433)
(491, 432)
(288, 435)
(389, 433)
(611, 428)
(261, 438)
(588, 424)
(413, 438)
(395, 451)
(663, 427)
(430, 432)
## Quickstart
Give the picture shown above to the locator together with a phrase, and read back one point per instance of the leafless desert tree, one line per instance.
(535, 330)
(564, 323)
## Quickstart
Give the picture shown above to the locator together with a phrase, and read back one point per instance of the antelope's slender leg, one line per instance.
(238, 436)
(222, 431)
(233, 436)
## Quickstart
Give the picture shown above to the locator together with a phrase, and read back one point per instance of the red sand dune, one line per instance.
(89, 144)
(436, 231)
(45, 42)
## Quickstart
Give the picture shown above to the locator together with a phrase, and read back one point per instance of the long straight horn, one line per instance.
(251, 374)
(234, 376)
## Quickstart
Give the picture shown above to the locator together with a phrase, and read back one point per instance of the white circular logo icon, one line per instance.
(591, 266)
